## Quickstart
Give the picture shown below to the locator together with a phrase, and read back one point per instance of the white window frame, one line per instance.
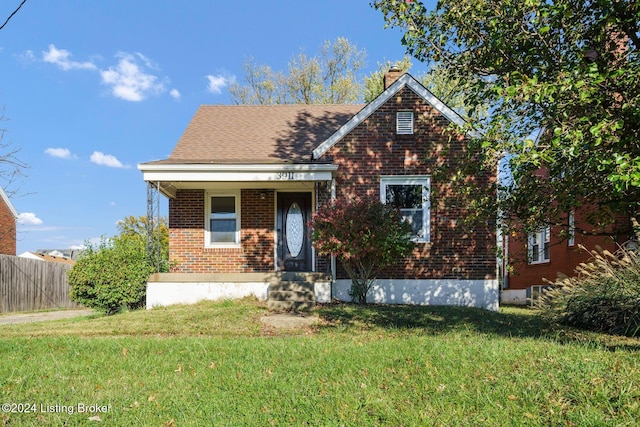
(571, 240)
(543, 237)
(425, 181)
(404, 123)
(207, 223)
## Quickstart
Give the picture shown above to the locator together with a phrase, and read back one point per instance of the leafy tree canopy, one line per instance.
(560, 79)
(326, 78)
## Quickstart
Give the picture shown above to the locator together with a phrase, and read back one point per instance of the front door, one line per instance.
(294, 244)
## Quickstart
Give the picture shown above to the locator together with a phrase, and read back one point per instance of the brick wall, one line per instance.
(7, 230)
(373, 149)
(187, 240)
(563, 258)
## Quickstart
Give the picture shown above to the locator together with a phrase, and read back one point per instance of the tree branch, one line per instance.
(11, 16)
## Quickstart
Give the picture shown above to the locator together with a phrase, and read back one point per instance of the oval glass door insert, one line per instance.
(295, 229)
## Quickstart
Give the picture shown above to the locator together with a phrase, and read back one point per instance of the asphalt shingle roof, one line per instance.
(245, 134)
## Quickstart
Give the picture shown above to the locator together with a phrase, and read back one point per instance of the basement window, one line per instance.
(404, 123)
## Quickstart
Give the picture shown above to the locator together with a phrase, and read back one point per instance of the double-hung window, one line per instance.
(410, 195)
(539, 246)
(223, 220)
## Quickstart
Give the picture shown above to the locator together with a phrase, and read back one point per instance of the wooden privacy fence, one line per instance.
(30, 284)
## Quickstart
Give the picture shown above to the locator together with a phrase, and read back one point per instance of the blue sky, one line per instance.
(92, 88)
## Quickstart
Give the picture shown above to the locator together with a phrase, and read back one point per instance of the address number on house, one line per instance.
(285, 176)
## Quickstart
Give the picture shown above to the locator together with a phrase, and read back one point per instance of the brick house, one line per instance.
(244, 180)
(8, 216)
(552, 252)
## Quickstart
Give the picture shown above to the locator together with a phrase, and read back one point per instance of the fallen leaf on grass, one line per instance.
(95, 418)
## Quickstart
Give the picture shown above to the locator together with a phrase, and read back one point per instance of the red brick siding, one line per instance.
(563, 258)
(187, 240)
(7, 230)
(373, 149)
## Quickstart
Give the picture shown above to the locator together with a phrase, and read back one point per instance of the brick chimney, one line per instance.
(392, 75)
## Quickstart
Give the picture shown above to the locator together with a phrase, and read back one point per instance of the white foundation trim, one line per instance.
(175, 291)
(468, 293)
(514, 296)
(163, 294)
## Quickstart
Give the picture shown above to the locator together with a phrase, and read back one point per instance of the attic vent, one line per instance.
(404, 123)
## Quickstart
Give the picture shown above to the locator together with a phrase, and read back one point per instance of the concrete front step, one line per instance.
(282, 286)
(289, 305)
(291, 296)
(292, 292)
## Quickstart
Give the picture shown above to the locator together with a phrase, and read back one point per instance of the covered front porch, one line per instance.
(239, 230)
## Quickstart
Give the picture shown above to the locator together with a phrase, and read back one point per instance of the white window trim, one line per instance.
(423, 180)
(207, 217)
(405, 123)
(544, 236)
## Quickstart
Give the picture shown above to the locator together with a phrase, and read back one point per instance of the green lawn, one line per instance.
(217, 364)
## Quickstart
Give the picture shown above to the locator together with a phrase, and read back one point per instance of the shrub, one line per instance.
(604, 296)
(111, 276)
(365, 235)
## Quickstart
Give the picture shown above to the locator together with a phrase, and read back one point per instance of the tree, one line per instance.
(561, 80)
(157, 244)
(438, 80)
(113, 275)
(365, 235)
(328, 78)
(11, 167)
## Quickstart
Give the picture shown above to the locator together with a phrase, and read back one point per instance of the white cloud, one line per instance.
(62, 58)
(175, 94)
(129, 80)
(219, 82)
(27, 57)
(29, 218)
(106, 160)
(62, 153)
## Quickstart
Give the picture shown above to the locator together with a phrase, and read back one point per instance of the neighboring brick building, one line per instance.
(8, 216)
(243, 181)
(554, 252)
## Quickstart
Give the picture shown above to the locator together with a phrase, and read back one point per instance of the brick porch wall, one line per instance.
(7, 230)
(373, 149)
(186, 235)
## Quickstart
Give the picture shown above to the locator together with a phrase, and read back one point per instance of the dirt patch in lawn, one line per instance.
(289, 320)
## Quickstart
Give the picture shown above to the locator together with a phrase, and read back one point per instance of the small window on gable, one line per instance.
(404, 123)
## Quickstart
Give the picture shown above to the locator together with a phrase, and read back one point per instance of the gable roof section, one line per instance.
(5, 199)
(404, 80)
(258, 134)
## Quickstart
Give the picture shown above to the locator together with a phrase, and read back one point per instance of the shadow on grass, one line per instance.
(435, 320)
